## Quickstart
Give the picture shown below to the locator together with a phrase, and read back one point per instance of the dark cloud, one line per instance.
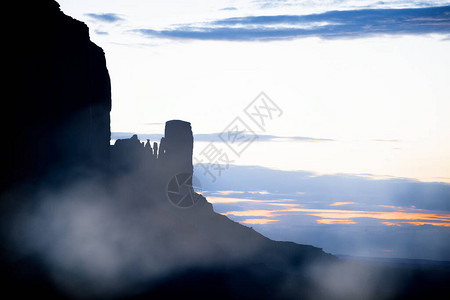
(106, 17)
(329, 25)
(326, 189)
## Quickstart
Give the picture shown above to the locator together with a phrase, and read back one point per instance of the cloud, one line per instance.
(392, 213)
(336, 216)
(323, 190)
(327, 25)
(335, 221)
(267, 4)
(214, 137)
(106, 17)
(215, 199)
(341, 203)
(227, 192)
(229, 8)
(99, 32)
(391, 223)
(259, 221)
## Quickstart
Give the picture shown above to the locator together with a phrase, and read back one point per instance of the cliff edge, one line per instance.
(59, 96)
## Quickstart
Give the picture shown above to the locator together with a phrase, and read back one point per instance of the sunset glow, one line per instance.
(336, 216)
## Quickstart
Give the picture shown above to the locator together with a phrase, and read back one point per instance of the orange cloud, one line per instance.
(411, 216)
(259, 221)
(415, 218)
(349, 214)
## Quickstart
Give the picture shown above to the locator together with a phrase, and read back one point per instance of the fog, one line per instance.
(109, 241)
(94, 238)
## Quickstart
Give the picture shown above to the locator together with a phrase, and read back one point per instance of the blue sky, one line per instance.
(360, 102)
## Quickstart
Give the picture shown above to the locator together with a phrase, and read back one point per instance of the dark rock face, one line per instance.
(57, 116)
(159, 164)
(129, 155)
(178, 146)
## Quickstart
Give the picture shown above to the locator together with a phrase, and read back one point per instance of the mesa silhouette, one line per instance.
(81, 218)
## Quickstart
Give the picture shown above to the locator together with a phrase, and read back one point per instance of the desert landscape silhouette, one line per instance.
(85, 219)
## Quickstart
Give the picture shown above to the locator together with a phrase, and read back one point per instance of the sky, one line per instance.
(343, 214)
(348, 101)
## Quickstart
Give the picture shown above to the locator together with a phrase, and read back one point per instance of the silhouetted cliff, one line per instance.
(56, 116)
(177, 145)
